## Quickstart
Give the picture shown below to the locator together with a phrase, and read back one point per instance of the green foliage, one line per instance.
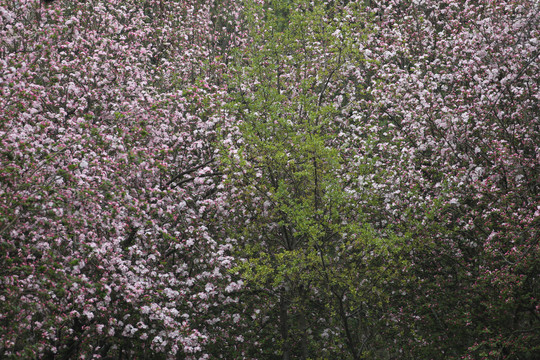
(307, 240)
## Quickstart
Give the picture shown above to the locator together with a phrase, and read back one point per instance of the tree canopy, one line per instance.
(269, 179)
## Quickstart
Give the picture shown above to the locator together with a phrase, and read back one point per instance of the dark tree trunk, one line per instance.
(284, 326)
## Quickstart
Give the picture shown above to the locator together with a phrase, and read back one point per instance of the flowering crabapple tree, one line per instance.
(453, 109)
(110, 200)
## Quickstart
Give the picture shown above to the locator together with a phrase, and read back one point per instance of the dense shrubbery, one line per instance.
(270, 179)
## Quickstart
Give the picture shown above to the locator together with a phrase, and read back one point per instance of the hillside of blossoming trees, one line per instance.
(270, 179)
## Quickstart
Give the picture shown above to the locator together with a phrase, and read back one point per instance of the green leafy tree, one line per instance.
(311, 257)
